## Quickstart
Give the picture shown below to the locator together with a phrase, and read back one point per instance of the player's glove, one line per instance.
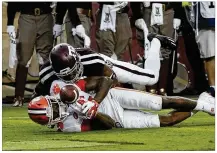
(57, 30)
(80, 31)
(89, 108)
(146, 4)
(176, 23)
(140, 23)
(12, 34)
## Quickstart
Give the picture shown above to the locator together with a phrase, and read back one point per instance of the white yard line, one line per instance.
(14, 117)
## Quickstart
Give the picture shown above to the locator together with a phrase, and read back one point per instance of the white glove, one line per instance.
(117, 6)
(11, 33)
(80, 31)
(87, 41)
(73, 31)
(140, 23)
(57, 30)
(146, 4)
(90, 108)
(176, 23)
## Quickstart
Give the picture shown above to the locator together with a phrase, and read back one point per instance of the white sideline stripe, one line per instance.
(90, 55)
(93, 61)
(37, 111)
(45, 69)
(14, 117)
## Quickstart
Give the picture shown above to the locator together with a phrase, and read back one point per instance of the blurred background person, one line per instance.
(205, 37)
(159, 18)
(77, 22)
(34, 30)
(113, 30)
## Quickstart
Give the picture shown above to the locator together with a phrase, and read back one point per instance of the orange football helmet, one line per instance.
(47, 110)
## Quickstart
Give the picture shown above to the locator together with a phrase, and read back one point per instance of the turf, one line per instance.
(20, 133)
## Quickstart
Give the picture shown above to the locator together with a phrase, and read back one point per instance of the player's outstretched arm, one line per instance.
(99, 84)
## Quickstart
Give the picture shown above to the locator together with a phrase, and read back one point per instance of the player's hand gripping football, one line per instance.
(89, 108)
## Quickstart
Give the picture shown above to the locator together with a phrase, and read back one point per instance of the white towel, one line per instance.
(146, 41)
(157, 14)
(12, 53)
(108, 19)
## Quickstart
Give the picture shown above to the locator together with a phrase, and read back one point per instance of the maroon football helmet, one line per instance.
(66, 63)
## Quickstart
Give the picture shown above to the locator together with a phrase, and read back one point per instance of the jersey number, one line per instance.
(211, 5)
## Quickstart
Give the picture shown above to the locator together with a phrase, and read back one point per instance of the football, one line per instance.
(69, 94)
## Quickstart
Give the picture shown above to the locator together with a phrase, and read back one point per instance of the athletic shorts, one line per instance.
(206, 43)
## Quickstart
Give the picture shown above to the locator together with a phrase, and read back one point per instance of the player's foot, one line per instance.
(206, 103)
(166, 42)
(18, 102)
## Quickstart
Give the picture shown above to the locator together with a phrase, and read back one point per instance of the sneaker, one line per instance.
(207, 103)
(166, 42)
(18, 102)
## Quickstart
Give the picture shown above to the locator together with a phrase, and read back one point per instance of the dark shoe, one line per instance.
(211, 91)
(18, 102)
(166, 42)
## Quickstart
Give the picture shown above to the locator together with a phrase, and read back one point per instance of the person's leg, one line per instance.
(206, 44)
(204, 103)
(44, 39)
(134, 99)
(130, 73)
(210, 68)
(140, 36)
(140, 119)
(25, 46)
(105, 40)
(173, 118)
(167, 30)
(68, 27)
(123, 35)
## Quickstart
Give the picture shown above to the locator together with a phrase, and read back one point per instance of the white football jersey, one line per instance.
(75, 121)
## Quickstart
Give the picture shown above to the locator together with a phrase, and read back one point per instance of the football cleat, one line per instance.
(18, 102)
(166, 42)
(207, 102)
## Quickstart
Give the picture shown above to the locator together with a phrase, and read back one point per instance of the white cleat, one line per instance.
(206, 103)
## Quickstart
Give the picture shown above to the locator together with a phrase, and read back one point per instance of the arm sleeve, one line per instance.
(11, 11)
(73, 15)
(136, 10)
(61, 9)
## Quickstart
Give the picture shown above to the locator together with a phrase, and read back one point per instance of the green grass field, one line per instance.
(20, 133)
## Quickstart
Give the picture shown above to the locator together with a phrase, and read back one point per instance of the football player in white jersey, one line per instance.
(121, 105)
